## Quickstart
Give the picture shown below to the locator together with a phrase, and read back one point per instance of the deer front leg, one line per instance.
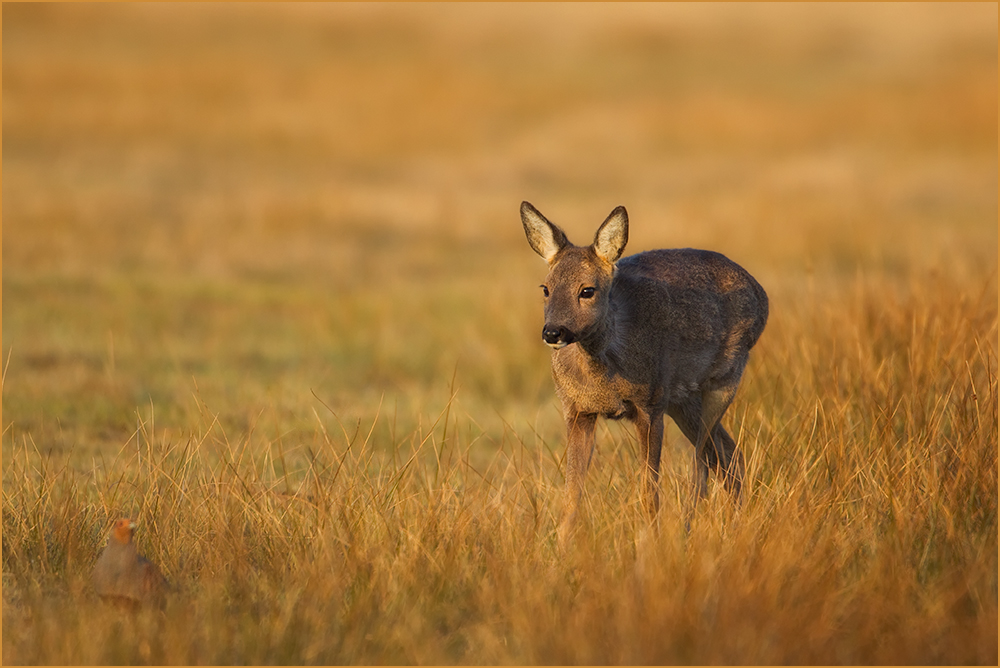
(579, 448)
(649, 429)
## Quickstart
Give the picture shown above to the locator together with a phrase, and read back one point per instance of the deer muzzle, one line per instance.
(557, 337)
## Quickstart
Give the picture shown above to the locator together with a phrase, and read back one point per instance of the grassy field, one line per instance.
(266, 291)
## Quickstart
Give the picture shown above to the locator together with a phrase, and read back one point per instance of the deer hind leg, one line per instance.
(687, 416)
(698, 419)
(730, 461)
(714, 447)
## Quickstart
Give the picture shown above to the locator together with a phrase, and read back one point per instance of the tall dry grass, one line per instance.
(267, 292)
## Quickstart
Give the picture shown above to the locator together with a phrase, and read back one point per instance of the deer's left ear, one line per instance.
(611, 237)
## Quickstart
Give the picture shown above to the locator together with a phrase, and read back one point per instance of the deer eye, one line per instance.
(545, 290)
(587, 293)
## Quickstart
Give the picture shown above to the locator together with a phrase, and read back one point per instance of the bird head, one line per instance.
(122, 531)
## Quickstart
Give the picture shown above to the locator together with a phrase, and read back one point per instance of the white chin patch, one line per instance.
(557, 346)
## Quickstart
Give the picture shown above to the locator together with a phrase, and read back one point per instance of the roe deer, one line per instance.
(663, 331)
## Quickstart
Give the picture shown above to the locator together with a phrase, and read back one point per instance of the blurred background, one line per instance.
(236, 206)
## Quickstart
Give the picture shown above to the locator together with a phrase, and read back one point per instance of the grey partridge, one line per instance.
(123, 576)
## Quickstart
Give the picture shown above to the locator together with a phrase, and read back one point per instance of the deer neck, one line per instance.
(597, 343)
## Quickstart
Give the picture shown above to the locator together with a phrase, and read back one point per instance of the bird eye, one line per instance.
(545, 290)
(587, 293)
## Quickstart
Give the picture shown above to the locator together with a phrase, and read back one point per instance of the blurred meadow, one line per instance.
(265, 289)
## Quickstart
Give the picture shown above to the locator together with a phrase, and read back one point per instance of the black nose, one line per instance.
(553, 335)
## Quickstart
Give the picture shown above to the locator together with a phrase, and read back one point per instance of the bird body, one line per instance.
(123, 575)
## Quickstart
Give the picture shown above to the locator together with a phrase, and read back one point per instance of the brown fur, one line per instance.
(660, 332)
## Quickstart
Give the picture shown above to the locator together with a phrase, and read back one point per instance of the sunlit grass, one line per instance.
(267, 292)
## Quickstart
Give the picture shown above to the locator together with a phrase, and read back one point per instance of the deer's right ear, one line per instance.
(545, 238)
